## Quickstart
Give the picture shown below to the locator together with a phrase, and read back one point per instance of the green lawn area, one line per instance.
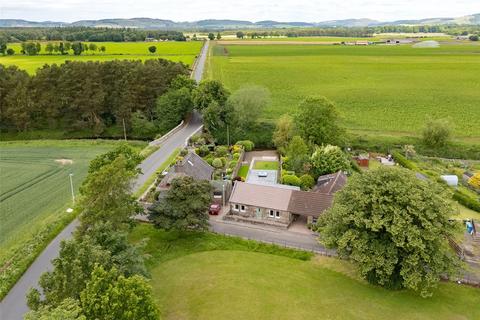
(208, 276)
(265, 165)
(378, 89)
(174, 51)
(243, 171)
(35, 193)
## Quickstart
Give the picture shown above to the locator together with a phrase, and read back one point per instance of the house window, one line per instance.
(235, 208)
(271, 213)
(277, 214)
(242, 208)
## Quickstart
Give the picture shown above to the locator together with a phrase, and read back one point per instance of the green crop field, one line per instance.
(210, 276)
(35, 193)
(378, 89)
(174, 51)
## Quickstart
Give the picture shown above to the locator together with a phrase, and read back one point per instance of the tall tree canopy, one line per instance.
(185, 206)
(318, 122)
(208, 92)
(284, 132)
(394, 227)
(329, 159)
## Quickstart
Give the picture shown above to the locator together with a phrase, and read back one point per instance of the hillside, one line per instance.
(149, 23)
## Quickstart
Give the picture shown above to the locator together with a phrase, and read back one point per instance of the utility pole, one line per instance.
(124, 130)
(71, 187)
(228, 136)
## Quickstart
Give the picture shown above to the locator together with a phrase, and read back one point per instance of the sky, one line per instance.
(251, 10)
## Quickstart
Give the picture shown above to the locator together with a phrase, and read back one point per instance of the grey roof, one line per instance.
(193, 166)
(263, 196)
(331, 183)
(309, 203)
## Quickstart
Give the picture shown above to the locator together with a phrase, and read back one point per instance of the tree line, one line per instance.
(87, 34)
(88, 96)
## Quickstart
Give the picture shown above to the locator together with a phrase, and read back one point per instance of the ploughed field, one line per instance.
(35, 193)
(175, 51)
(378, 89)
(210, 276)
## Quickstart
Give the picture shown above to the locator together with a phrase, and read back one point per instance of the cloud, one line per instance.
(252, 10)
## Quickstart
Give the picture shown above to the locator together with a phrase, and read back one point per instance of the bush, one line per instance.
(236, 156)
(209, 159)
(224, 161)
(183, 152)
(306, 182)
(246, 144)
(232, 164)
(221, 151)
(436, 133)
(466, 200)
(404, 162)
(217, 163)
(329, 159)
(291, 180)
(202, 151)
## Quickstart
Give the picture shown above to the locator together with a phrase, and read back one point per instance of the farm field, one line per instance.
(378, 89)
(174, 51)
(35, 190)
(215, 277)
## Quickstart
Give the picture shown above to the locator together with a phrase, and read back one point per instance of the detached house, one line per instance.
(191, 165)
(279, 205)
(275, 205)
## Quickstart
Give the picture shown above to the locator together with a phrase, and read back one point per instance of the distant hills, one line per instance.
(149, 23)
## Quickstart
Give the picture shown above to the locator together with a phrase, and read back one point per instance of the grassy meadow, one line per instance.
(378, 89)
(175, 51)
(209, 276)
(35, 193)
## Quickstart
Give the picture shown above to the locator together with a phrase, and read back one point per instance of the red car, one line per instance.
(214, 209)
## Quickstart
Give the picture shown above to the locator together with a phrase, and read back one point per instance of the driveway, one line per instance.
(14, 306)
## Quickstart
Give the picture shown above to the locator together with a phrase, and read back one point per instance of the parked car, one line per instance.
(214, 209)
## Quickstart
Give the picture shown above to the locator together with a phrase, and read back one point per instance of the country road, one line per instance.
(14, 306)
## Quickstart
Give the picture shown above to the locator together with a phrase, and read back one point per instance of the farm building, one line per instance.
(273, 205)
(363, 160)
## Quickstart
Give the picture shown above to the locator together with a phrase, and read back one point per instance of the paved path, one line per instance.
(14, 306)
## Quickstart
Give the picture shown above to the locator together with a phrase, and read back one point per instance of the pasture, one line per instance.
(175, 51)
(35, 193)
(209, 276)
(378, 89)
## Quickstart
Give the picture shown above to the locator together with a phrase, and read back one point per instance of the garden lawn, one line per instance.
(243, 171)
(207, 276)
(378, 89)
(34, 195)
(175, 51)
(265, 165)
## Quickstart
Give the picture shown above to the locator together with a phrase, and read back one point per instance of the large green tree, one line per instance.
(106, 195)
(185, 206)
(329, 159)
(436, 133)
(68, 309)
(172, 107)
(208, 92)
(318, 121)
(219, 120)
(131, 156)
(111, 296)
(394, 227)
(284, 132)
(298, 157)
(249, 103)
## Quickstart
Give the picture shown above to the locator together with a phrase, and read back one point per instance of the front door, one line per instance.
(258, 213)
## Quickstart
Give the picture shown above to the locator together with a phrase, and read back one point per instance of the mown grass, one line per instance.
(377, 89)
(243, 171)
(265, 165)
(208, 276)
(34, 195)
(175, 51)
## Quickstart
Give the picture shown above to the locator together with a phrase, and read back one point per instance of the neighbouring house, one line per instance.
(275, 205)
(191, 165)
(330, 183)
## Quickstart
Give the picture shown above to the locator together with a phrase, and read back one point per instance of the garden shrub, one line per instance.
(466, 200)
(291, 180)
(221, 151)
(232, 164)
(404, 162)
(236, 156)
(202, 151)
(246, 144)
(217, 163)
(306, 182)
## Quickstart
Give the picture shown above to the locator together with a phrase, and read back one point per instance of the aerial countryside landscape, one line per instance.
(273, 160)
